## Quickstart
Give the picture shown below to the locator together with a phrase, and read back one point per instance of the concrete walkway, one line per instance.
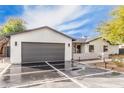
(94, 61)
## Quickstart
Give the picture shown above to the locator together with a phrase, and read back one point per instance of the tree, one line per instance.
(13, 25)
(113, 29)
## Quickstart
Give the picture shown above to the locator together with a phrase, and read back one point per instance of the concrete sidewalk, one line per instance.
(94, 61)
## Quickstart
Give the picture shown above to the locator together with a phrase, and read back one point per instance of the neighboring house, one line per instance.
(93, 48)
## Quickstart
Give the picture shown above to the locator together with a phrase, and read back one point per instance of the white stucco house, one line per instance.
(93, 48)
(40, 44)
(45, 43)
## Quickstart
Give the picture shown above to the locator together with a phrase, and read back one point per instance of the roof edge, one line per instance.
(42, 28)
(93, 39)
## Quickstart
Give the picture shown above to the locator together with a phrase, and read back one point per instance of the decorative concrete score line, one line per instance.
(38, 83)
(50, 81)
(72, 79)
(25, 73)
(5, 70)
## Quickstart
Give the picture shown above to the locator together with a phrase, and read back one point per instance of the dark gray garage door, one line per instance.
(37, 52)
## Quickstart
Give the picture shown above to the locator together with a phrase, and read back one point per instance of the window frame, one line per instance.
(105, 48)
(91, 48)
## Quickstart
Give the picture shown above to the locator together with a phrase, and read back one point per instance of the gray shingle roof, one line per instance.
(86, 40)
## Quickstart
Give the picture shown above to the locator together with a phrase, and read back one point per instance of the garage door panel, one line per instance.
(34, 52)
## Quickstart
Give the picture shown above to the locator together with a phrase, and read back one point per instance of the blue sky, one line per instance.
(76, 21)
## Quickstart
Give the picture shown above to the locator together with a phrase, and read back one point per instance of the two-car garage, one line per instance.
(39, 45)
(40, 52)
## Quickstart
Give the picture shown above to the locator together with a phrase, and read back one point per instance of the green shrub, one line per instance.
(115, 73)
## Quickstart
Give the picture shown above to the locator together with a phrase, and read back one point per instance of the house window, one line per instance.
(105, 48)
(78, 48)
(91, 48)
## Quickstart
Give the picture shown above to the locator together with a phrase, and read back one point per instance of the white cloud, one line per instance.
(83, 32)
(72, 32)
(80, 12)
(38, 16)
(73, 25)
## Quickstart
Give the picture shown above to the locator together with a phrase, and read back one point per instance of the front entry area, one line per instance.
(33, 52)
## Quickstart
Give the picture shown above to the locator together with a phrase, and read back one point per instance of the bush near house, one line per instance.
(118, 60)
(119, 64)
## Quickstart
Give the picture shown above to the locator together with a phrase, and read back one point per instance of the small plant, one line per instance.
(119, 64)
(115, 73)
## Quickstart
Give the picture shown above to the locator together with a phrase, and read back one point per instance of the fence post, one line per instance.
(72, 62)
(79, 59)
(105, 63)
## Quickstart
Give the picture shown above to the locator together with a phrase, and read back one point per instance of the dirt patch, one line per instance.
(117, 56)
(109, 65)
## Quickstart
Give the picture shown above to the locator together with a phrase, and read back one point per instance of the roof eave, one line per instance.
(42, 28)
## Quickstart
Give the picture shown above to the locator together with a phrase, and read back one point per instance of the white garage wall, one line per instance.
(38, 36)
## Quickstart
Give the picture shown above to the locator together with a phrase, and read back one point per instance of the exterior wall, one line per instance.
(121, 46)
(82, 48)
(98, 50)
(85, 56)
(98, 47)
(38, 36)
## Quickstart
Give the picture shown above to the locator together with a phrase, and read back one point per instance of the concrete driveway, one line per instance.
(43, 76)
(103, 82)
